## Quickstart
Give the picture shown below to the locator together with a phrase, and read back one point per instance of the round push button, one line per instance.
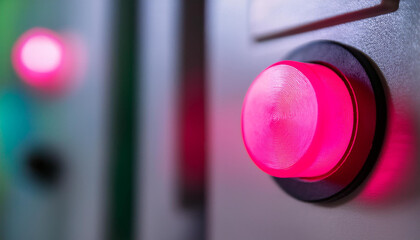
(47, 60)
(298, 120)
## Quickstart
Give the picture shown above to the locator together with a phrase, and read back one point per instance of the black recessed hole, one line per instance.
(44, 165)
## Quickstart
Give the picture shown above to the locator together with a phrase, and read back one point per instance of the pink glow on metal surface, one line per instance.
(297, 120)
(42, 59)
(394, 176)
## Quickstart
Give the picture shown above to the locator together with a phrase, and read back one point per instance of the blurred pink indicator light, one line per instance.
(298, 120)
(41, 59)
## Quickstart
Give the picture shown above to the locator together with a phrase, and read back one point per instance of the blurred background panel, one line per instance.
(102, 121)
(171, 145)
(54, 99)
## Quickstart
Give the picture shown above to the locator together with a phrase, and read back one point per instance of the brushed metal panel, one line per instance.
(244, 202)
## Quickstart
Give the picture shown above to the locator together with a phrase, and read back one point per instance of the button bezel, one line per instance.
(368, 84)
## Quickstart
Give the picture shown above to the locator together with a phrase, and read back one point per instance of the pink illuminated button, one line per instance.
(298, 120)
(41, 59)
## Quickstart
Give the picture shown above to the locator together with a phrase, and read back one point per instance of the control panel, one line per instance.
(313, 119)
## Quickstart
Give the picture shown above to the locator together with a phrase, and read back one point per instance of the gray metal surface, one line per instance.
(160, 216)
(244, 203)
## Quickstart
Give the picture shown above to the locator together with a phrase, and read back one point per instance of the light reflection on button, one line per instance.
(297, 120)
